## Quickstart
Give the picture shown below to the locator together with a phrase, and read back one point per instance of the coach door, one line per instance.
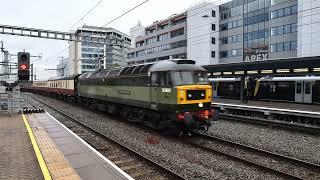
(303, 92)
(307, 95)
(215, 89)
(298, 96)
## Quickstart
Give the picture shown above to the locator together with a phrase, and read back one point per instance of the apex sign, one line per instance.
(256, 54)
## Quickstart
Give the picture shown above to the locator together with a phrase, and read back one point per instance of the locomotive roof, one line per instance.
(175, 65)
(165, 65)
(64, 78)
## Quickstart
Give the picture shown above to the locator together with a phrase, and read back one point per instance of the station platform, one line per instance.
(37, 146)
(287, 106)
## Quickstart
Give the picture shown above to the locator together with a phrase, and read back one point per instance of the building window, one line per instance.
(285, 29)
(287, 11)
(176, 33)
(293, 45)
(273, 48)
(284, 12)
(280, 13)
(175, 22)
(163, 37)
(230, 39)
(256, 35)
(139, 44)
(230, 53)
(273, 31)
(213, 27)
(178, 44)
(279, 47)
(213, 40)
(151, 40)
(213, 13)
(213, 54)
(165, 26)
(280, 30)
(230, 25)
(286, 46)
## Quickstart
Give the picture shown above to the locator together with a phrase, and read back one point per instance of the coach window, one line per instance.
(299, 85)
(307, 88)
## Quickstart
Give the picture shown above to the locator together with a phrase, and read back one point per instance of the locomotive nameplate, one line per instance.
(166, 90)
(124, 92)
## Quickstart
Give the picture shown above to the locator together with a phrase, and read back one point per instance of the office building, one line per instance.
(169, 38)
(88, 57)
(235, 31)
(64, 67)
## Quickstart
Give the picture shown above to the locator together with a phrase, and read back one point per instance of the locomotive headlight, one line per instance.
(202, 94)
(189, 95)
(200, 105)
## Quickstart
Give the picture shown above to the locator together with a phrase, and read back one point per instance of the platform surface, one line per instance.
(87, 162)
(268, 104)
(17, 157)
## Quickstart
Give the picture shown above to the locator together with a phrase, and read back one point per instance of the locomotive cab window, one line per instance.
(189, 77)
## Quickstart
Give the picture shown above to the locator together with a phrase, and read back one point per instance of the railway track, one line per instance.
(287, 119)
(284, 124)
(284, 166)
(132, 162)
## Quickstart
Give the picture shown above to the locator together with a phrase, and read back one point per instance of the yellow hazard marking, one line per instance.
(42, 164)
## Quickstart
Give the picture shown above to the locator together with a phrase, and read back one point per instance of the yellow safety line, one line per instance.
(42, 164)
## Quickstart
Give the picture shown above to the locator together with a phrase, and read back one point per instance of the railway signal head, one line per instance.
(23, 66)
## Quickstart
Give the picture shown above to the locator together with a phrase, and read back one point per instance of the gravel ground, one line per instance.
(188, 161)
(294, 144)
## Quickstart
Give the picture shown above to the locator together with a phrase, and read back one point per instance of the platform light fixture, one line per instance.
(252, 72)
(316, 69)
(239, 72)
(227, 73)
(283, 70)
(266, 71)
(301, 70)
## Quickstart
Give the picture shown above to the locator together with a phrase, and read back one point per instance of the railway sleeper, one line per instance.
(125, 162)
(136, 175)
(132, 168)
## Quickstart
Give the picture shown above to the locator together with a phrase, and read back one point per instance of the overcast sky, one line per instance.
(62, 14)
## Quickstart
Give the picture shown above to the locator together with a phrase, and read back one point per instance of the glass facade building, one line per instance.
(263, 29)
(88, 57)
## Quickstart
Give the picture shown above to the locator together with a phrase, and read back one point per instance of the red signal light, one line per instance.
(23, 67)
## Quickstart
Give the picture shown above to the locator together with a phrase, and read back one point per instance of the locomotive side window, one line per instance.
(160, 79)
(162, 76)
(154, 78)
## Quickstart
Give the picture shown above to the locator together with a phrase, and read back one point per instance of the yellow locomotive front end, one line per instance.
(194, 96)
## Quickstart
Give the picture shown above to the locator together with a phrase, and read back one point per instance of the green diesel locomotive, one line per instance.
(166, 94)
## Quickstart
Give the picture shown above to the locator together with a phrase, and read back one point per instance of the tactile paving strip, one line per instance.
(17, 157)
(58, 166)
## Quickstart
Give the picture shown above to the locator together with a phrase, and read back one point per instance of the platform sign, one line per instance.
(256, 54)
